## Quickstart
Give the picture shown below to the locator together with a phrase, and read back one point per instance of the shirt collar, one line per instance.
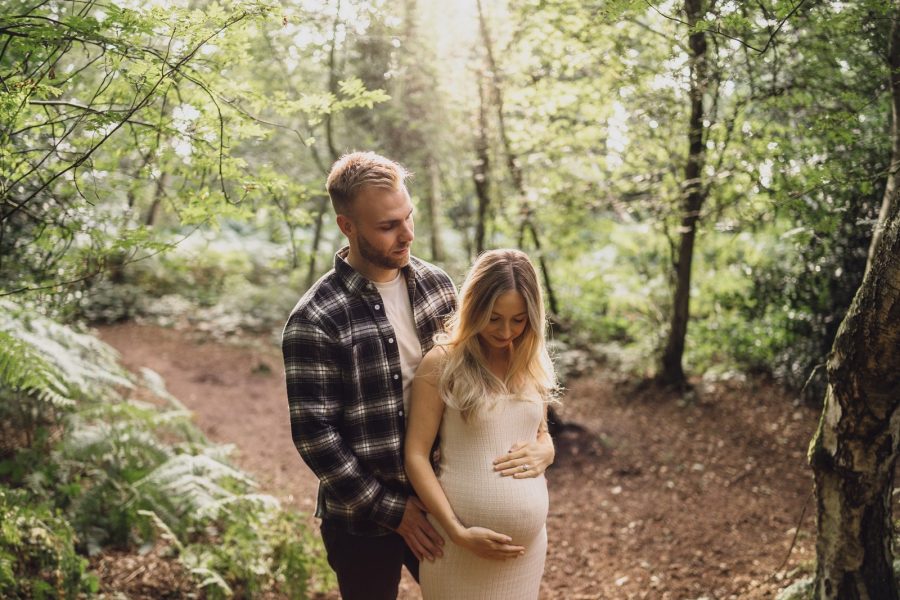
(356, 283)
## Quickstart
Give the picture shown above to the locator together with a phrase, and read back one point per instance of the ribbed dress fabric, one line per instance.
(481, 497)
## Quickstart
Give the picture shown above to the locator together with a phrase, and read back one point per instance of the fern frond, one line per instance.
(165, 533)
(267, 504)
(191, 482)
(154, 382)
(86, 439)
(53, 362)
(23, 369)
(211, 578)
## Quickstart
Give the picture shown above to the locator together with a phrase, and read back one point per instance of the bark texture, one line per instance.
(854, 451)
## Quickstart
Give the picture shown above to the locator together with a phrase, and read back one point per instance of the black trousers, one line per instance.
(368, 568)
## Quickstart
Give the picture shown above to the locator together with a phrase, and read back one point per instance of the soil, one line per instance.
(652, 495)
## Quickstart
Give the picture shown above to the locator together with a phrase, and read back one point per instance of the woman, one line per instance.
(485, 390)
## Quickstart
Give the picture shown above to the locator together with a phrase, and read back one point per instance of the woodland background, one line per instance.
(703, 185)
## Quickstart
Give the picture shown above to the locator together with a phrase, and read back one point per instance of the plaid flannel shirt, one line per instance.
(345, 390)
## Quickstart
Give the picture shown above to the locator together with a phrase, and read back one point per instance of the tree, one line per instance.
(854, 451)
(118, 126)
(694, 190)
(481, 169)
(92, 89)
(527, 217)
(892, 188)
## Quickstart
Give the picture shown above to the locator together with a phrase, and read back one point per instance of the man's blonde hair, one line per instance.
(353, 172)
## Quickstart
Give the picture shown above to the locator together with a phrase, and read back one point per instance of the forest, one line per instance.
(708, 189)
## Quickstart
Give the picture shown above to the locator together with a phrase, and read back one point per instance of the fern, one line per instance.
(154, 382)
(24, 370)
(192, 482)
(127, 469)
(53, 363)
(165, 532)
(213, 580)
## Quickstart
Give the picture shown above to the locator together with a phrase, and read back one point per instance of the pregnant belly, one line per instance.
(514, 507)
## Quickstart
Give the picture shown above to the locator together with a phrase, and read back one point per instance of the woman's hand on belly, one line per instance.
(487, 543)
(525, 459)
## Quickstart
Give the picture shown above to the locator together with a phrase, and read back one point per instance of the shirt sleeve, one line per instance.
(312, 364)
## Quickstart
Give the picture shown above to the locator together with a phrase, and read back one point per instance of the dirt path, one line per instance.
(652, 497)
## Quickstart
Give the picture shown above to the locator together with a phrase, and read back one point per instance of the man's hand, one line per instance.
(526, 459)
(420, 536)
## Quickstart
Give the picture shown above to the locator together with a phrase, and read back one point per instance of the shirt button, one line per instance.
(396, 376)
(390, 340)
(400, 413)
(377, 307)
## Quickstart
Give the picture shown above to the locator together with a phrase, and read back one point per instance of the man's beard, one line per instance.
(385, 261)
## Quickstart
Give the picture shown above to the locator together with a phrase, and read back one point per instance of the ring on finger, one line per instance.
(525, 467)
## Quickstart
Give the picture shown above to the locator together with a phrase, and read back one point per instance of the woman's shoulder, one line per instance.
(433, 363)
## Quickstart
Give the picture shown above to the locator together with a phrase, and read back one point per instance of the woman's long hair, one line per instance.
(466, 383)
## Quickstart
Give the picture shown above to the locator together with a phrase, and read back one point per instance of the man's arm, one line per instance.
(312, 368)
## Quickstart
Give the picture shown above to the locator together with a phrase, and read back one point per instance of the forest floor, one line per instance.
(653, 495)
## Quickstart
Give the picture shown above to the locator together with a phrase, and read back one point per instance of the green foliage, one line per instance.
(222, 283)
(258, 548)
(25, 371)
(828, 188)
(119, 119)
(45, 370)
(112, 460)
(37, 551)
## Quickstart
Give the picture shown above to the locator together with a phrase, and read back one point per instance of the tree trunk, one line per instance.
(854, 451)
(528, 226)
(694, 195)
(161, 183)
(321, 209)
(434, 210)
(512, 163)
(891, 189)
(481, 170)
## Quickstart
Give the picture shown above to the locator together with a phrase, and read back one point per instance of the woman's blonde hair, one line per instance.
(466, 383)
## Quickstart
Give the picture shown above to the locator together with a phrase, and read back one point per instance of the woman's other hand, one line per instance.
(488, 544)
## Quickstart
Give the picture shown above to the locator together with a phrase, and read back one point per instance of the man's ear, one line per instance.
(345, 225)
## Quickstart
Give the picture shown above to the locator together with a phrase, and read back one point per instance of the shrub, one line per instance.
(37, 551)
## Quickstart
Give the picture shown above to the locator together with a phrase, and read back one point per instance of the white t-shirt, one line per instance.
(399, 312)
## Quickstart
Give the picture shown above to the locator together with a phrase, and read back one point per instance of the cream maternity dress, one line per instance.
(481, 497)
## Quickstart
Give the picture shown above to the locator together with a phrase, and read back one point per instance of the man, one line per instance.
(351, 347)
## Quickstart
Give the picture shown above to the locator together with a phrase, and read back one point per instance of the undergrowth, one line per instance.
(92, 457)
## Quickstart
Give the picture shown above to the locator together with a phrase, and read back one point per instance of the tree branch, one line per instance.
(717, 31)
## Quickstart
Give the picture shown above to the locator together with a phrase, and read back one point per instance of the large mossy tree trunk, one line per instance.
(854, 451)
